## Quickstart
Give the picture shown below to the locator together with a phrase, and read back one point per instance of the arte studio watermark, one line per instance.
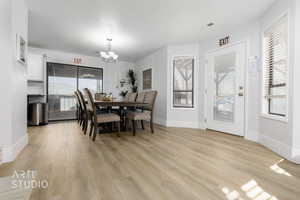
(28, 180)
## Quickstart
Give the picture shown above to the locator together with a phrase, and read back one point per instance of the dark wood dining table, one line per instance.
(119, 104)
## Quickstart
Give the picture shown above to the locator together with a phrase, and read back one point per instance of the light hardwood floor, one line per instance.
(172, 164)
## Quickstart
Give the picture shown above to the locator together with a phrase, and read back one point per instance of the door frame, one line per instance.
(246, 43)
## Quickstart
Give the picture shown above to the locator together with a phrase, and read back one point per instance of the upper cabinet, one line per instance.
(35, 67)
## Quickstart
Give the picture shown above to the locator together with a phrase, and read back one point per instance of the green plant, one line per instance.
(132, 80)
(123, 93)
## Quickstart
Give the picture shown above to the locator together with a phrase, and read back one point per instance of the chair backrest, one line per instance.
(150, 98)
(100, 96)
(132, 97)
(90, 101)
(77, 100)
(140, 97)
(81, 100)
(127, 96)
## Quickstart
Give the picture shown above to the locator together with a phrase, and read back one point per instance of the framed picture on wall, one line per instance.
(147, 79)
(21, 49)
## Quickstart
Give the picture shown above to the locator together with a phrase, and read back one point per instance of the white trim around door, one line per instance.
(233, 109)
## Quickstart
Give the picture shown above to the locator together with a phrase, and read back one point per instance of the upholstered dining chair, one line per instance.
(99, 118)
(85, 113)
(130, 97)
(78, 108)
(145, 113)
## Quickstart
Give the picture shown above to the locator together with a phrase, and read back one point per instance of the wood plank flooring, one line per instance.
(172, 164)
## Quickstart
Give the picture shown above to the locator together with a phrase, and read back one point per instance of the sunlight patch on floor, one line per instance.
(278, 169)
(255, 192)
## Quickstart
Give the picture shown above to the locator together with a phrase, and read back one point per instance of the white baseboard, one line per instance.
(296, 155)
(160, 121)
(10, 153)
(281, 149)
(252, 135)
(185, 124)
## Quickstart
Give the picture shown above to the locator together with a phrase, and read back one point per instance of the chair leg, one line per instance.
(91, 128)
(119, 124)
(133, 127)
(95, 132)
(85, 126)
(142, 122)
(125, 124)
(151, 126)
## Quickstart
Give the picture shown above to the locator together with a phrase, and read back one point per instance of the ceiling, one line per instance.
(138, 27)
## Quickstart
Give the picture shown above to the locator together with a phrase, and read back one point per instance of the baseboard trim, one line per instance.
(160, 121)
(252, 136)
(281, 149)
(10, 153)
(185, 124)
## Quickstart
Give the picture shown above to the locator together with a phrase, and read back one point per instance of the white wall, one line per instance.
(5, 75)
(112, 72)
(158, 62)
(14, 20)
(295, 105)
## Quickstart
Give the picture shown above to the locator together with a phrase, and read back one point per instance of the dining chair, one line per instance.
(78, 108)
(85, 113)
(99, 118)
(130, 97)
(145, 113)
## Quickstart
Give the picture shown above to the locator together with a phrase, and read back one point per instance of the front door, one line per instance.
(225, 89)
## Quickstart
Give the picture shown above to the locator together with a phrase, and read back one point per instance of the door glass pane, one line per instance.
(224, 87)
(62, 82)
(90, 78)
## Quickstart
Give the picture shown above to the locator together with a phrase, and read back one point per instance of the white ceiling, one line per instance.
(138, 27)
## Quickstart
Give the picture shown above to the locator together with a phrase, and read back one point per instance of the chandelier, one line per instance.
(109, 56)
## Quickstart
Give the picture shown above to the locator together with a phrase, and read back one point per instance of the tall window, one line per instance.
(183, 82)
(275, 68)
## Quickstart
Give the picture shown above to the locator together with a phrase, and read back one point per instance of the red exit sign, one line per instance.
(77, 61)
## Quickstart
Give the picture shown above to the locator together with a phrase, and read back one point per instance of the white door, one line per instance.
(225, 89)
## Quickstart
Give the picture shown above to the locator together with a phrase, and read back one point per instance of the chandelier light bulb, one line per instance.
(109, 56)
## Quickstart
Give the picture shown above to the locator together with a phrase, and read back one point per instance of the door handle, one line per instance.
(241, 91)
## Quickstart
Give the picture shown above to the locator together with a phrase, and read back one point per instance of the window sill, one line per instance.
(184, 108)
(275, 118)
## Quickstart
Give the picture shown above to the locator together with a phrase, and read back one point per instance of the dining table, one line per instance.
(121, 105)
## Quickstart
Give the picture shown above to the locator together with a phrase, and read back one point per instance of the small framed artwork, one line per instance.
(21, 49)
(147, 79)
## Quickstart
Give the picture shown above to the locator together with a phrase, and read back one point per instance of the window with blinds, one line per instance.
(275, 52)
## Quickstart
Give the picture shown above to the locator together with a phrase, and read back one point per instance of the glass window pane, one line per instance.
(183, 74)
(278, 106)
(281, 91)
(183, 99)
(279, 73)
(90, 78)
(62, 82)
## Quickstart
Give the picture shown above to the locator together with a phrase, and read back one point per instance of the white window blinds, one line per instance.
(275, 68)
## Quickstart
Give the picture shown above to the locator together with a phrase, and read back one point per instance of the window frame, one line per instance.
(266, 103)
(143, 78)
(189, 91)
